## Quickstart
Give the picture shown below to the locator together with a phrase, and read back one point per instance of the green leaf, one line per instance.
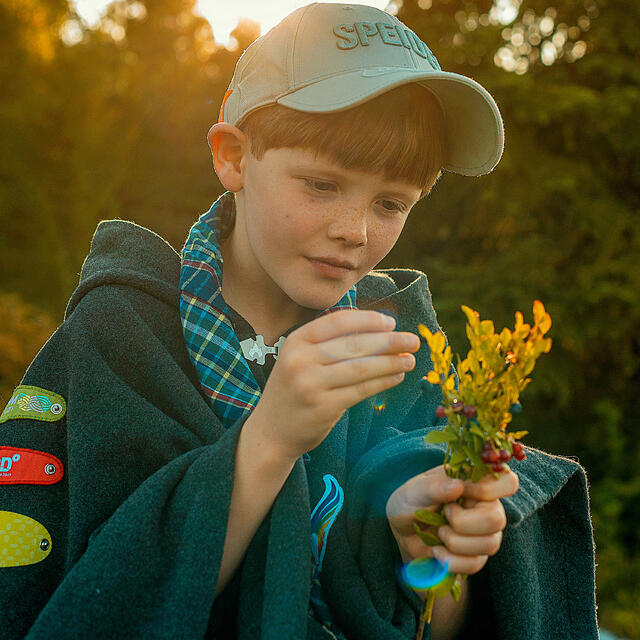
(475, 429)
(427, 538)
(444, 587)
(479, 472)
(476, 460)
(437, 437)
(429, 517)
(455, 470)
(458, 457)
(475, 457)
(456, 591)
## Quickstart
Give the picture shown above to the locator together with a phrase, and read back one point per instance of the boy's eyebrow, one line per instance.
(399, 192)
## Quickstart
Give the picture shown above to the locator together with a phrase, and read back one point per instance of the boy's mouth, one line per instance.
(336, 262)
(329, 269)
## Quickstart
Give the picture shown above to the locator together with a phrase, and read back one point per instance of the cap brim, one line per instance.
(474, 127)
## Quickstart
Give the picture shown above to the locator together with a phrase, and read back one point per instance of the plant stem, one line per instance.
(425, 616)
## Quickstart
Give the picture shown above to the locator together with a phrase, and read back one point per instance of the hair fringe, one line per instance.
(399, 134)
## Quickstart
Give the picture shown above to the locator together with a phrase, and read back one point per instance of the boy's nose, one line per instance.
(350, 225)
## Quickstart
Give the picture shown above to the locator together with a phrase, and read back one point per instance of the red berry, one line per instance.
(521, 455)
(504, 455)
(497, 466)
(490, 456)
(517, 448)
(441, 412)
(469, 411)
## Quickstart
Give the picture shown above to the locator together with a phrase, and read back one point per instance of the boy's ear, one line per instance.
(229, 147)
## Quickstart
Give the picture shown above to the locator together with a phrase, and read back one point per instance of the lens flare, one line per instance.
(423, 573)
(380, 407)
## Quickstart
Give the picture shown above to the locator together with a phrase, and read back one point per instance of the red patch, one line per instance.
(27, 466)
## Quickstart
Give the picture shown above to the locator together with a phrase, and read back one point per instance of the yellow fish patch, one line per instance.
(23, 540)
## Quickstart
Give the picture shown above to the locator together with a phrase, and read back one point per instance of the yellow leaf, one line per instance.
(541, 317)
(518, 320)
(473, 317)
(538, 311)
(545, 323)
(433, 377)
(424, 331)
(486, 327)
(438, 343)
(451, 383)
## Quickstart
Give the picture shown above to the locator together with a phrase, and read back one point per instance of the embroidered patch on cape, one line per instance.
(28, 466)
(23, 540)
(323, 516)
(34, 403)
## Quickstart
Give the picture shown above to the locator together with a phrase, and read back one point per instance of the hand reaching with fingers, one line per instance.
(325, 367)
(474, 530)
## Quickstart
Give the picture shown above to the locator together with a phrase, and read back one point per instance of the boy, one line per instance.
(198, 419)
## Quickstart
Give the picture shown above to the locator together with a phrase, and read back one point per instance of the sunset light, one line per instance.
(223, 16)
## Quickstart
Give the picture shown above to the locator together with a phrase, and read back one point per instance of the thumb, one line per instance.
(446, 489)
(434, 488)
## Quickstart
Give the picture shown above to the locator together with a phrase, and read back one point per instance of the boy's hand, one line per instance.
(325, 367)
(475, 529)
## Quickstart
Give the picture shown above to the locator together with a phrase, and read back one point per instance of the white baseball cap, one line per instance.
(326, 57)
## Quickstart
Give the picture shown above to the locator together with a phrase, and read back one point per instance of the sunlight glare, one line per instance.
(223, 15)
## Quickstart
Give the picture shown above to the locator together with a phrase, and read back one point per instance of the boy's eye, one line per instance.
(313, 183)
(395, 207)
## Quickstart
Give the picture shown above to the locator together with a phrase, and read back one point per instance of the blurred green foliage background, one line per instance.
(111, 122)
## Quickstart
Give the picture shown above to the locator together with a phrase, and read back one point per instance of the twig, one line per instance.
(427, 609)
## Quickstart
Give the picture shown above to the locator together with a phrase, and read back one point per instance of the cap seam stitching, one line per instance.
(291, 63)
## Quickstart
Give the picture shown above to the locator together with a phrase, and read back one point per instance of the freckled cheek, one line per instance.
(379, 245)
(301, 230)
(285, 236)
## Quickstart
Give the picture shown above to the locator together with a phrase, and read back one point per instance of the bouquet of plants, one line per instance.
(491, 378)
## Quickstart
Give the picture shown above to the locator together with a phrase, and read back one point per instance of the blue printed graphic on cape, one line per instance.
(323, 516)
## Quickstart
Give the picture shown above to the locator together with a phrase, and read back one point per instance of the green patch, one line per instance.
(34, 403)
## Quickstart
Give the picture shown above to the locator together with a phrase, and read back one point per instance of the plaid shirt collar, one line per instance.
(211, 342)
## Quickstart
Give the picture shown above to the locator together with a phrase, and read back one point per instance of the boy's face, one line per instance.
(293, 207)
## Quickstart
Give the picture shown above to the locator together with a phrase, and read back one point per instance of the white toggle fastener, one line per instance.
(256, 349)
